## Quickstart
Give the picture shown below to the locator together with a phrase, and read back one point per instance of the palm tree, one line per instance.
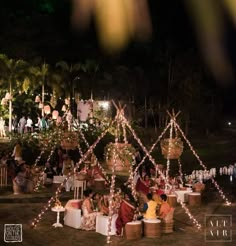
(41, 76)
(91, 68)
(13, 73)
(70, 74)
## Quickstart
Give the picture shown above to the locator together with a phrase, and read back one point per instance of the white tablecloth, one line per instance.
(102, 224)
(181, 194)
(58, 179)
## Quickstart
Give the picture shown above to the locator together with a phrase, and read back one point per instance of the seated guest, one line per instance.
(95, 200)
(3, 159)
(150, 208)
(23, 179)
(59, 160)
(17, 152)
(88, 222)
(125, 213)
(68, 167)
(94, 172)
(103, 205)
(143, 185)
(165, 207)
(49, 172)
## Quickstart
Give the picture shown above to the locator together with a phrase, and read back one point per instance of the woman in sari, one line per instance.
(126, 213)
(88, 222)
(143, 185)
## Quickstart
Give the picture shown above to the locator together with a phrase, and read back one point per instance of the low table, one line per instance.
(58, 210)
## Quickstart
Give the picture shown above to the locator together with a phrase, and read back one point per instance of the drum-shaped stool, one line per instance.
(194, 199)
(133, 230)
(152, 228)
(167, 226)
(172, 200)
(99, 184)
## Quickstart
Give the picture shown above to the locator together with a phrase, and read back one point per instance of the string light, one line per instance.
(112, 187)
(40, 178)
(169, 151)
(180, 171)
(198, 225)
(153, 146)
(120, 119)
(96, 160)
(124, 131)
(57, 140)
(37, 219)
(159, 171)
(201, 163)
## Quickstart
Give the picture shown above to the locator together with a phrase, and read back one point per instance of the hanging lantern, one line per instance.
(37, 99)
(55, 114)
(172, 148)
(8, 96)
(47, 109)
(40, 105)
(63, 108)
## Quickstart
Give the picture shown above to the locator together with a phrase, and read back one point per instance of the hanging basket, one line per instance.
(174, 146)
(69, 141)
(125, 154)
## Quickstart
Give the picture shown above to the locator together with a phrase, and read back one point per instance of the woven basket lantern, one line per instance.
(69, 141)
(174, 146)
(124, 156)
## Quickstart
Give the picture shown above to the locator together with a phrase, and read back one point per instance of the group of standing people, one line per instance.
(27, 125)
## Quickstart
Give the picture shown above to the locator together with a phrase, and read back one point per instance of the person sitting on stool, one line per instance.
(165, 207)
(150, 208)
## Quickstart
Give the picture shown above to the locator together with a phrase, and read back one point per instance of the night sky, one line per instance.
(29, 30)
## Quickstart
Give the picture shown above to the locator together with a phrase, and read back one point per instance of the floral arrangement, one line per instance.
(57, 204)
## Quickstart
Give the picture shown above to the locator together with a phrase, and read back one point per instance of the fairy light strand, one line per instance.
(144, 148)
(97, 161)
(153, 146)
(124, 132)
(112, 187)
(159, 171)
(180, 171)
(40, 178)
(195, 222)
(37, 219)
(201, 163)
(169, 151)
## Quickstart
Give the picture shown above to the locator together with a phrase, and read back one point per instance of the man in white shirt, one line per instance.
(29, 124)
(22, 124)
